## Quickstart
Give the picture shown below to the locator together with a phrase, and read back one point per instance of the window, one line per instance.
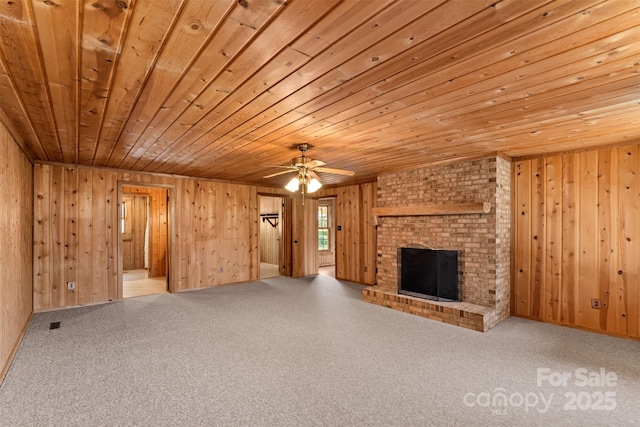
(124, 212)
(323, 228)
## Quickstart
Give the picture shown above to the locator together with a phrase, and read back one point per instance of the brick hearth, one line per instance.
(463, 314)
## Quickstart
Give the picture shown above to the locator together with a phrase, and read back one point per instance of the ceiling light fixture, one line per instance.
(313, 185)
(304, 182)
(293, 185)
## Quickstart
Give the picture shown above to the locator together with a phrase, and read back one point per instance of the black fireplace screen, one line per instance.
(428, 273)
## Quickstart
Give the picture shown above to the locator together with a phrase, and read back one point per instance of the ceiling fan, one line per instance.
(306, 169)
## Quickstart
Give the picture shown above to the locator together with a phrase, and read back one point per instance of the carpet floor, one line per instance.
(298, 352)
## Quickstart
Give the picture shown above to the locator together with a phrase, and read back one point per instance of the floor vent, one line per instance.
(54, 325)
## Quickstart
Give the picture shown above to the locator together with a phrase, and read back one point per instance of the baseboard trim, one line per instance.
(67, 307)
(580, 328)
(7, 365)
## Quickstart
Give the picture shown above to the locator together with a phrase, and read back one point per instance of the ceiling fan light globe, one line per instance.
(313, 185)
(293, 185)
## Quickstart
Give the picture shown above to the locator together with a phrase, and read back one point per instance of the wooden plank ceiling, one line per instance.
(226, 88)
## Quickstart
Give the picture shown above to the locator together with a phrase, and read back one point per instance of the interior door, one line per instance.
(134, 217)
(305, 237)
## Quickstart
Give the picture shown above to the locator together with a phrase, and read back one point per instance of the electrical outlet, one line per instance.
(71, 286)
(596, 303)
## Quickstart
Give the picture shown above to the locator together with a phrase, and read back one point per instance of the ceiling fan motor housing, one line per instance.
(300, 161)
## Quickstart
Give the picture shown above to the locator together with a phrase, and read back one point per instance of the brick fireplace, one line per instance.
(481, 238)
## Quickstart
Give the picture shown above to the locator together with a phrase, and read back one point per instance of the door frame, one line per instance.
(332, 225)
(285, 249)
(170, 235)
(305, 237)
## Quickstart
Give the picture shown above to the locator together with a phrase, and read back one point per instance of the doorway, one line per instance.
(271, 236)
(144, 231)
(326, 237)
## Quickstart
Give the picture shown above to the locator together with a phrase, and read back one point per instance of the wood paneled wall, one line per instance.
(356, 239)
(214, 231)
(16, 218)
(75, 235)
(577, 239)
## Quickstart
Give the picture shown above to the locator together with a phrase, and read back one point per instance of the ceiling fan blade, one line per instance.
(314, 164)
(335, 171)
(279, 173)
(312, 174)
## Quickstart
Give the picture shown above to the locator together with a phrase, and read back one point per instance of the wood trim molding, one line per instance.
(425, 210)
(7, 365)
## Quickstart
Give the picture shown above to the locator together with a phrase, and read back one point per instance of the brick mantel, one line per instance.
(425, 210)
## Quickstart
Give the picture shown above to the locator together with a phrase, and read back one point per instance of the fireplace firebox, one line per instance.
(428, 273)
